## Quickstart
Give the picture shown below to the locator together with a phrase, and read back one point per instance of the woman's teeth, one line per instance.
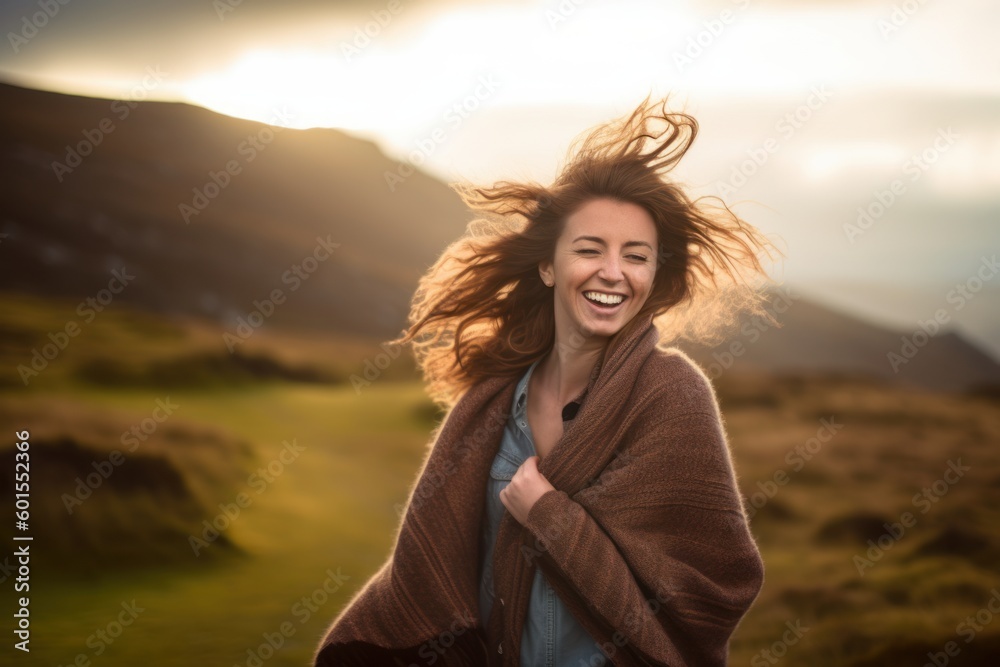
(604, 299)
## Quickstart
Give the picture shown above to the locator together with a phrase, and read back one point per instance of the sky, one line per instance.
(862, 134)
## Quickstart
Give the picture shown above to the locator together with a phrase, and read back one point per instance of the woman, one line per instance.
(578, 505)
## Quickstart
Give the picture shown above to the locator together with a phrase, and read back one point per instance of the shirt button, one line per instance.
(523, 424)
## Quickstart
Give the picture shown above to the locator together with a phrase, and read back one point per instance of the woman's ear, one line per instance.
(545, 271)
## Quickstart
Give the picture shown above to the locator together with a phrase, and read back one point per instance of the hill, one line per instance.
(281, 196)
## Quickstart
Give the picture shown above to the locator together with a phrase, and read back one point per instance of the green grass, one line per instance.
(331, 508)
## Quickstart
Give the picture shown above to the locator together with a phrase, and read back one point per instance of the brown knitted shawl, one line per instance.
(644, 537)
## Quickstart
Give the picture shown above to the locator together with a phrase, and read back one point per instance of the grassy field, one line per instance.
(877, 512)
(331, 508)
(826, 464)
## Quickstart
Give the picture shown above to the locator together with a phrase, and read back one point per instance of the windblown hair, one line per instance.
(482, 309)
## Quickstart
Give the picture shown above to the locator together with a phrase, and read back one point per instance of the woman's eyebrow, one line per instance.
(598, 239)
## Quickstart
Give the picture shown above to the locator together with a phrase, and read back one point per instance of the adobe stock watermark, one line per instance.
(700, 42)
(454, 116)
(373, 367)
(7, 569)
(432, 649)
(87, 309)
(562, 12)
(34, 23)
(103, 469)
(899, 16)
(364, 34)
(295, 276)
(796, 458)
(552, 532)
(121, 109)
(779, 649)
(435, 478)
(224, 7)
(258, 482)
(102, 638)
(245, 153)
(786, 127)
(958, 296)
(632, 623)
(925, 499)
(913, 167)
(968, 628)
(302, 610)
(751, 331)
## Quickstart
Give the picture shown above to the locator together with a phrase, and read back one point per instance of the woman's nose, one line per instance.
(611, 269)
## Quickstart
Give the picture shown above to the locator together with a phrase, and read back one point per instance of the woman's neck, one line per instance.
(565, 371)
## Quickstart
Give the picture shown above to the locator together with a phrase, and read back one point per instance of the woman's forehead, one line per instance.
(610, 221)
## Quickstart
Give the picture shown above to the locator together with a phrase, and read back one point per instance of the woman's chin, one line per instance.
(604, 328)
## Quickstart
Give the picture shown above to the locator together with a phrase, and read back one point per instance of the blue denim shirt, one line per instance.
(552, 637)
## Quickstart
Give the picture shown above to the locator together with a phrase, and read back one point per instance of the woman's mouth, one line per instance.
(604, 302)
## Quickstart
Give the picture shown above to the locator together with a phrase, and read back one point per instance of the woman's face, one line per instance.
(606, 251)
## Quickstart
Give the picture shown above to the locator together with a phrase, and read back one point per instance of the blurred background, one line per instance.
(215, 213)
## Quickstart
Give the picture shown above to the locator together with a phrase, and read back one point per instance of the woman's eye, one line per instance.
(587, 251)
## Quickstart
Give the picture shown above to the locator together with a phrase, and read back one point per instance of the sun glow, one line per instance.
(401, 84)
(293, 89)
(412, 80)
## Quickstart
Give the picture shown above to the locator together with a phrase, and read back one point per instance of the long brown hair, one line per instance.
(482, 309)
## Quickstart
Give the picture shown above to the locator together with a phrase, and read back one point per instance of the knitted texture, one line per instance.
(644, 536)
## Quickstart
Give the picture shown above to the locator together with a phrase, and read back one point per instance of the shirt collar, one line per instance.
(521, 397)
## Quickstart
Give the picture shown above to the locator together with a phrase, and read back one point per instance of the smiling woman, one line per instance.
(636, 226)
(591, 513)
(606, 260)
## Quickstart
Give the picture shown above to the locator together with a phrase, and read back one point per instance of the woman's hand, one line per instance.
(525, 488)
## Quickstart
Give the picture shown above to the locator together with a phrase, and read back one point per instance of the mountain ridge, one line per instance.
(300, 230)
